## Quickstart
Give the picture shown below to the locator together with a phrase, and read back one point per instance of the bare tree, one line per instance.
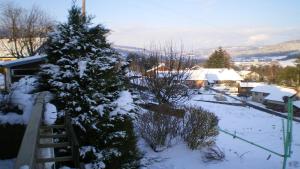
(168, 85)
(24, 30)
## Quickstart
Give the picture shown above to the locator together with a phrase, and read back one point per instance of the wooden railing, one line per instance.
(74, 142)
(27, 153)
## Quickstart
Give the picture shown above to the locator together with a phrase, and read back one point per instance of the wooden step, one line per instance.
(54, 145)
(55, 159)
(53, 135)
(53, 127)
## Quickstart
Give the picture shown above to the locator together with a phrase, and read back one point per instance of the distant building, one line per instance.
(206, 76)
(198, 77)
(244, 88)
(7, 58)
(16, 69)
(158, 68)
(272, 96)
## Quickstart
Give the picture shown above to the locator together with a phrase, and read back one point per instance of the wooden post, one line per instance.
(7, 80)
(83, 7)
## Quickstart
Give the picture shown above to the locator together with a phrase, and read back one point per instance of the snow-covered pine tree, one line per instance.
(86, 75)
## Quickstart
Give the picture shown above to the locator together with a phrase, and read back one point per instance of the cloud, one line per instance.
(258, 38)
(196, 38)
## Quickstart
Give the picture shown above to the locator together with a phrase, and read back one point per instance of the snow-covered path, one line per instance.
(254, 125)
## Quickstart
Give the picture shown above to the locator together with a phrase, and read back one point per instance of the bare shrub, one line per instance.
(161, 124)
(214, 154)
(200, 128)
(158, 129)
(167, 79)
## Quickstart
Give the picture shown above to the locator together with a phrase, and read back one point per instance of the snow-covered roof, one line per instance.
(26, 60)
(214, 75)
(296, 103)
(251, 84)
(276, 93)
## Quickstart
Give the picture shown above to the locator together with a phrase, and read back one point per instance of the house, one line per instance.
(16, 69)
(249, 75)
(7, 58)
(206, 76)
(244, 88)
(272, 96)
(197, 78)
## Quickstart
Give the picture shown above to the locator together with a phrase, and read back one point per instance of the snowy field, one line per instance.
(251, 124)
(254, 125)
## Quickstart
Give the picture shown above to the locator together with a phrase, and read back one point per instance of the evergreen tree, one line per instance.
(86, 76)
(298, 69)
(219, 59)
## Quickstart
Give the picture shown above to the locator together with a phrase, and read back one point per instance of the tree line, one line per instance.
(276, 74)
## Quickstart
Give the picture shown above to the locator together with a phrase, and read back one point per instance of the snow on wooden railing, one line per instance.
(27, 154)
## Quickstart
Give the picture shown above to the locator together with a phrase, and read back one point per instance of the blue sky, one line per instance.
(194, 23)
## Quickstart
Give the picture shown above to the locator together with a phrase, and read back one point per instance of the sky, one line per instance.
(195, 24)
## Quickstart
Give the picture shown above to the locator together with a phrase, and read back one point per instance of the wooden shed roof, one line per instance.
(23, 61)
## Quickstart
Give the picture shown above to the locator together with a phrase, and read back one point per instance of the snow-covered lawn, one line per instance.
(254, 125)
(210, 96)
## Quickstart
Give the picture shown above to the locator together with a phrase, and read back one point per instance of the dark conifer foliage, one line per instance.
(219, 59)
(86, 76)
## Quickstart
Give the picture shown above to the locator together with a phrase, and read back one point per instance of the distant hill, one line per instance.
(279, 49)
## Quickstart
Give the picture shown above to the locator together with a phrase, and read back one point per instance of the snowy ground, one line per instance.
(251, 124)
(210, 96)
(23, 97)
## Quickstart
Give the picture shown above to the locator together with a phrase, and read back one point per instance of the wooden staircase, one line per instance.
(65, 133)
(51, 137)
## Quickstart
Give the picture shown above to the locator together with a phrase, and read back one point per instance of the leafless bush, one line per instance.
(161, 124)
(167, 79)
(158, 129)
(214, 154)
(200, 128)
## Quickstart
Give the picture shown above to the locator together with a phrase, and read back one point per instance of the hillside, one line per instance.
(283, 48)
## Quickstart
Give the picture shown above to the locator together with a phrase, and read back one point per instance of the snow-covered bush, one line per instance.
(18, 101)
(200, 127)
(158, 129)
(6, 105)
(26, 85)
